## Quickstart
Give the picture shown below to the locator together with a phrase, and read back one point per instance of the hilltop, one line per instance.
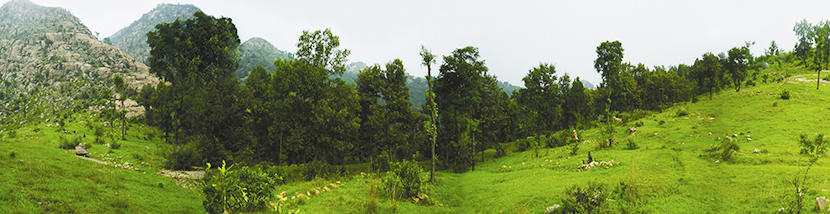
(47, 48)
(258, 52)
(133, 39)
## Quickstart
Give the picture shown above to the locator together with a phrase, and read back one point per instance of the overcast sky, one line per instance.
(512, 36)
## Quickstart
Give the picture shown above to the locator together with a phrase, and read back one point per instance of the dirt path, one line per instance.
(173, 174)
(801, 78)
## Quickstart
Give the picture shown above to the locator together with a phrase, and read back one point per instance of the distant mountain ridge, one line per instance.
(133, 39)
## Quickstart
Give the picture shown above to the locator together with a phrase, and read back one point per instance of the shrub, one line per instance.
(661, 122)
(631, 145)
(320, 169)
(181, 157)
(574, 147)
(638, 124)
(63, 143)
(682, 112)
(725, 150)
(409, 173)
(257, 187)
(785, 95)
(559, 138)
(501, 150)
(750, 83)
(381, 162)
(633, 115)
(115, 145)
(585, 200)
(523, 145)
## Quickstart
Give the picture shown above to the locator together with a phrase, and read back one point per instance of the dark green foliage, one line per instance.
(115, 145)
(725, 150)
(633, 115)
(258, 187)
(785, 95)
(382, 163)
(631, 145)
(501, 149)
(661, 122)
(181, 157)
(63, 143)
(682, 112)
(320, 169)
(574, 147)
(409, 173)
(591, 199)
(638, 124)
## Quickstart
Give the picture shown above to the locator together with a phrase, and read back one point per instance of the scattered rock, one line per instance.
(821, 202)
(551, 209)
(756, 150)
(80, 150)
(734, 135)
(710, 133)
(749, 139)
(717, 161)
(631, 130)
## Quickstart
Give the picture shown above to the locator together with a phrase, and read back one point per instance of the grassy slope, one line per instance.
(671, 171)
(43, 178)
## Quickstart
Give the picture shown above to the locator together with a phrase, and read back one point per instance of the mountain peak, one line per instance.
(133, 39)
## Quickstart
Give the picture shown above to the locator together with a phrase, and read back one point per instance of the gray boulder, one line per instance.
(80, 150)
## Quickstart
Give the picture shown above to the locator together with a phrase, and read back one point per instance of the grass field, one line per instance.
(671, 172)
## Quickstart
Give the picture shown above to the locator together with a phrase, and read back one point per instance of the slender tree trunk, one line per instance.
(474, 153)
(818, 78)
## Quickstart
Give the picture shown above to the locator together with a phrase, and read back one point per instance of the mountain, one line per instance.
(588, 85)
(48, 48)
(133, 39)
(258, 51)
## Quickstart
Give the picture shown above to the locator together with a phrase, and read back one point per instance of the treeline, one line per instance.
(302, 113)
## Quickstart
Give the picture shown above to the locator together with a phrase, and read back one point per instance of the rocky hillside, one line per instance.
(47, 48)
(133, 39)
(258, 51)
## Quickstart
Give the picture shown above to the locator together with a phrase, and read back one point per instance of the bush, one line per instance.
(725, 150)
(410, 174)
(560, 138)
(320, 169)
(585, 200)
(501, 150)
(523, 145)
(661, 122)
(244, 189)
(115, 145)
(682, 112)
(574, 147)
(638, 124)
(63, 143)
(181, 157)
(381, 163)
(633, 115)
(631, 145)
(785, 95)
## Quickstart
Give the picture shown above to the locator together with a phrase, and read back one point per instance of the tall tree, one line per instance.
(457, 90)
(804, 31)
(122, 90)
(736, 65)
(707, 72)
(427, 59)
(821, 55)
(609, 65)
(190, 54)
(319, 48)
(541, 95)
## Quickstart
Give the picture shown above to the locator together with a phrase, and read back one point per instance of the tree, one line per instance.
(121, 88)
(609, 62)
(821, 55)
(707, 72)
(813, 149)
(320, 50)
(457, 90)
(804, 31)
(773, 49)
(189, 54)
(428, 59)
(576, 104)
(541, 95)
(736, 65)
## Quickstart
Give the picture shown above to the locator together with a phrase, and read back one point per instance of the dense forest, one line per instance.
(304, 112)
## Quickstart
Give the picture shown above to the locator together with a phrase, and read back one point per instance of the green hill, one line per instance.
(133, 39)
(258, 52)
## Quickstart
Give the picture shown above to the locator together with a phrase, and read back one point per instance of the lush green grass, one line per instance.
(40, 177)
(671, 171)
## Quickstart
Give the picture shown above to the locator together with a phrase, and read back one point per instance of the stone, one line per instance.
(551, 209)
(821, 203)
(80, 150)
(756, 150)
(631, 130)
(734, 135)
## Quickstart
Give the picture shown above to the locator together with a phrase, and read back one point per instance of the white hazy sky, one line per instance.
(512, 36)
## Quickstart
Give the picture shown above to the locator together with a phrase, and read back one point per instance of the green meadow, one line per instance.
(665, 166)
